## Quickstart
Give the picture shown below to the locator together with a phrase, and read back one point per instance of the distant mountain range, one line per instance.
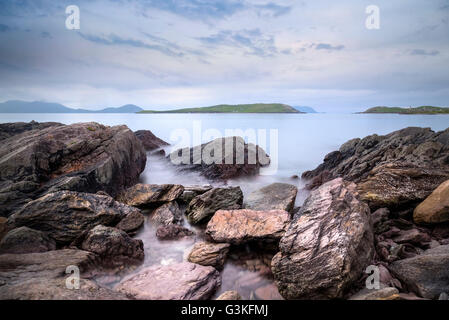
(16, 106)
(305, 109)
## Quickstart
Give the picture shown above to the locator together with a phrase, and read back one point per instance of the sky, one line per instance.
(166, 54)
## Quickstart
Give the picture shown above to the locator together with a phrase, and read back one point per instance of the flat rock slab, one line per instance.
(276, 196)
(240, 226)
(147, 195)
(182, 281)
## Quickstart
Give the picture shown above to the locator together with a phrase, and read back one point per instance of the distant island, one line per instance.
(417, 110)
(305, 109)
(16, 106)
(238, 108)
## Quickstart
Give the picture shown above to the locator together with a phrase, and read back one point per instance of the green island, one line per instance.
(238, 108)
(417, 110)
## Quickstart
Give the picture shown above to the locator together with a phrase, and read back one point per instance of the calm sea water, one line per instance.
(303, 141)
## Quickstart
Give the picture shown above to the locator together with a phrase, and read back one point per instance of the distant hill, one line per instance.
(417, 110)
(16, 106)
(305, 109)
(239, 108)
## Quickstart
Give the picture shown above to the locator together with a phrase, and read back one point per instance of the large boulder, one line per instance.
(204, 206)
(150, 195)
(14, 128)
(276, 196)
(66, 215)
(168, 213)
(26, 240)
(84, 157)
(222, 158)
(396, 170)
(209, 254)
(426, 274)
(435, 209)
(149, 141)
(327, 245)
(182, 281)
(114, 246)
(241, 226)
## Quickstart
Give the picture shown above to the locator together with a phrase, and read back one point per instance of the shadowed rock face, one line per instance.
(182, 281)
(327, 245)
(276, 196)
(396, 170)
(149, 141)
(204, 206)
(26, 240)
(426, 274)
(132, 222)
(227, 158)
(150, 195)
(66, 215)
(84, 157)
(240, 226)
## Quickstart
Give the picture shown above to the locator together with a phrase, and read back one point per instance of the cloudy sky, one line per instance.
(162, 54)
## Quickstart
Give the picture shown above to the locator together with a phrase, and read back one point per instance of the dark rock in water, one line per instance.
(149, 140)
(8, 130)
(113, 246)
(173, 232)
(132, 222)
(204, 206)
(26, 240)
(191, 192)
(66, 215)
(42, 276)
(182, 281)
(241, 226)
(327, 246)
(222, 158)
(209, 254)
(85, 157)
(395, 170)
(168, 213)
(426, 274)
(229, 295)
(150, 195)
(435, 208)
(276, 196)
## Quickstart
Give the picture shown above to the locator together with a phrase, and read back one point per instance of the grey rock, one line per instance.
(276, 196)
(168, 213)
(149, 141)
(26, 240)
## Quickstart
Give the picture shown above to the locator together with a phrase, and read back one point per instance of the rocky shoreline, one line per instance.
(70, 196)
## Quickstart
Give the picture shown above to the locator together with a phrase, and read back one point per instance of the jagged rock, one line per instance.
(168, 213)
(149, 141)
(204, 206)
(26, 240)
(435, 208)
(65, 215)
(276, 196)
(327, 245)
(395, 170)
(84, 157)
(132, 222)
(240, 226)
(191, 192)
(373, 294)
(173, 232)
(113, 246)
(8, 130)
(209, 254)
(148, 195)
(229, 295)
(182, 281)
(222, 158)
(426, 274)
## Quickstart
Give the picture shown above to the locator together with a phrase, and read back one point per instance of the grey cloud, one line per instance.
(422, 52)
(327, 46)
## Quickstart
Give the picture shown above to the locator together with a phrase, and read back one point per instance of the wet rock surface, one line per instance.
(84, 157)
(150, 195)
(149, 141)
(327, 245)
(241, 226)
(222, 158)
(26, 240)
(204, 206)
(276, 196)
(209, 254)
(182, 281)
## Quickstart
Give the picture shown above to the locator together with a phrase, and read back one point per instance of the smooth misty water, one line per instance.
(304, 139)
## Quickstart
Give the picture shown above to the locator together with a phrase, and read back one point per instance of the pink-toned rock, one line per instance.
(182, 281)
(268, 292)
(240, 226)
